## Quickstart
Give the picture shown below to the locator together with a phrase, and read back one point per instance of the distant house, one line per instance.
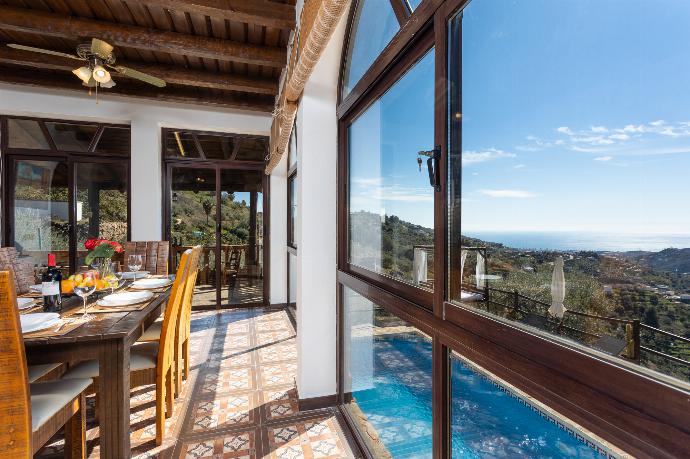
(529, 269)
(608, 290)
(685, 298)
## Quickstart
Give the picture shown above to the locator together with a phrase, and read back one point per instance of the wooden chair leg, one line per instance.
(160, 411)
(75, 431)
(177, 372)
(185, 356)
(169, 392)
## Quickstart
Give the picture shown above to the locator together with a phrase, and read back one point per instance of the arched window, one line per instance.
(472, 135)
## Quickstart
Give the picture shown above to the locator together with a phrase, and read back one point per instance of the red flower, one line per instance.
(91, 244)
(117, 246)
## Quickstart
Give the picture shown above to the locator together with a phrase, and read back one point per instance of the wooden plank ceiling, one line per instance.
(210, 52)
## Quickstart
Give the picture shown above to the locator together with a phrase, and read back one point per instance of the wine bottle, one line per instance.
(51, 286)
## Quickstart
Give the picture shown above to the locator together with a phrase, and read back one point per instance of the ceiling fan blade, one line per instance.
(44, 51)
(101, 48)
(150, 79)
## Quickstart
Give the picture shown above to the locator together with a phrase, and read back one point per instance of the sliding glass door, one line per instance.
(218, 202)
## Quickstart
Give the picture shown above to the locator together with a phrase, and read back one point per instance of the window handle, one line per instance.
(432, 165)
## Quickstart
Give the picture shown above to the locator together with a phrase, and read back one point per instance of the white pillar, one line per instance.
(146, 219)
(279, 215)
(316, 226)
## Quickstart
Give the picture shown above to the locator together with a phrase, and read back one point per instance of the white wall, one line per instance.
(316, 225)
(146, 118)
(279, 215)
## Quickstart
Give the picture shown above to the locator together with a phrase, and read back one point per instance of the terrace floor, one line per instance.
(240, 401)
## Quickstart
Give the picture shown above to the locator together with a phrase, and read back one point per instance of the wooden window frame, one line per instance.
(9, 155)
(602, 395)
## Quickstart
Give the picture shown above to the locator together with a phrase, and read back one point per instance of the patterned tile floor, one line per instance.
(239, 402)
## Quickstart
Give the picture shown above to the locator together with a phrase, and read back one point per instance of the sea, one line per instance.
(582, 240)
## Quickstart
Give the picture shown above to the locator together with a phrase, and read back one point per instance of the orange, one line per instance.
(67, 286)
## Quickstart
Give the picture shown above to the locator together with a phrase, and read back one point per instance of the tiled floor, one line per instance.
(240, 401)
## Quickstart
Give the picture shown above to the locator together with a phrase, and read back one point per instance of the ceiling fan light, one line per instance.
(108, 84)
(100, 74)
(84, 73)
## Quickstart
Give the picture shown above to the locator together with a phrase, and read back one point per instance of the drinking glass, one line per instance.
(134, 263)
(85, 287)
(112, 278)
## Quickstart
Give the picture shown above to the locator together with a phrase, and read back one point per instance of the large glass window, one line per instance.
(47, 163)
(572, 164)
(386, 379)
(391, 204)
(292, 209)
(373, 27)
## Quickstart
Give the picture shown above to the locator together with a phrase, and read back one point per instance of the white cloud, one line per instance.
(514, 194)
(474, 157)
(603, 158)
(619, 136)
(519, 166)
(599, 129)
(632, 128)
(657, 123)
(564, 130)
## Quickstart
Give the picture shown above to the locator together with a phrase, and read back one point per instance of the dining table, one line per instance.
(107, 337)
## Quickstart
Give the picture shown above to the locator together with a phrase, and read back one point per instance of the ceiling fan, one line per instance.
(97, 56)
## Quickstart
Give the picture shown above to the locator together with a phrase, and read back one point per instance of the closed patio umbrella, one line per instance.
(463, 257)
(419, 265)
(479, 271)
(557, 289)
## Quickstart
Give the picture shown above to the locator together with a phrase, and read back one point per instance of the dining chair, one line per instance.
(153, 332)
(32, 413)
(23, 273)
(152, 362)
(154, 255)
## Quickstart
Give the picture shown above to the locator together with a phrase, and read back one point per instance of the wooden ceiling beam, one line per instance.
(259, 12)
(56, 25)
(185, 95)
(171, 74)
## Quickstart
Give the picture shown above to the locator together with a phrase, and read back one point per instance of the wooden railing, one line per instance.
(207, 263)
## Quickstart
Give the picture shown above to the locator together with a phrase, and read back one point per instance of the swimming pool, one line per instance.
(391, 385)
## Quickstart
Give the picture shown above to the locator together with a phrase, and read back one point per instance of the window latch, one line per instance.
(432, 164)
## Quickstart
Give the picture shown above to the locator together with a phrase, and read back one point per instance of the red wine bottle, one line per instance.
(51, 286)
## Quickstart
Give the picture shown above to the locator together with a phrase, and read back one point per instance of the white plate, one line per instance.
(24, 303)
(151, 283)
(134, 275)
(38, 321)
(125, 299)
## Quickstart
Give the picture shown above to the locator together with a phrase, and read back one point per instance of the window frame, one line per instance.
(10, 155)
(603, 396)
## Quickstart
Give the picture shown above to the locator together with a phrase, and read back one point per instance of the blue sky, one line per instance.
(576, 116)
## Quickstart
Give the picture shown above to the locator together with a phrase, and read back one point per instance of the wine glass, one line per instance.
(134, 263)
(112, 278)
(85, 287)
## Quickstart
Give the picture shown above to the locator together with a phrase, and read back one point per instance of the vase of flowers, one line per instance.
(100, 253)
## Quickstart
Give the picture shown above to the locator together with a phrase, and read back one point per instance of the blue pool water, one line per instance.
(394, 392)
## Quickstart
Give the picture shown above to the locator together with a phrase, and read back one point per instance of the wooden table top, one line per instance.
(103, 326)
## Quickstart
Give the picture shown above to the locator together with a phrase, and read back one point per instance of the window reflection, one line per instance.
(26, 134)
(101, 204)
(572, 162)
(71, 137)
(41, 210)
(373, 27)
(390, 199)
(387, 379)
